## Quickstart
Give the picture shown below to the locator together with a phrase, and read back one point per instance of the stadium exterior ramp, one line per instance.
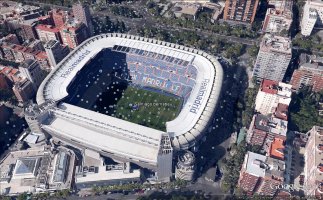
(184, 131)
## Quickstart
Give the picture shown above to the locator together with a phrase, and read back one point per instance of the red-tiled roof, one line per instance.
(258, 137)
(276, 149)
(41, 55)
(282, 111)
(248, 182)
(47, 28)
(44, 17)
(269, 86)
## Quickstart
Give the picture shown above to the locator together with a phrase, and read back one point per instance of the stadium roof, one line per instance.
(105, 133)
(195, 115)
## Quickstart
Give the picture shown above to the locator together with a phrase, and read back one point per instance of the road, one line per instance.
(149, 21)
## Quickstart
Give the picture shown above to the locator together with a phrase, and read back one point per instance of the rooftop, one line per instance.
(271, 124)
(109, 137)
(276, 168)
(274, 43)
(281, 111)
(278, 126)
(47, 28)
(98, 171)
(262, 166)
(269, 86)
(282, 6)
(31, 138)
(187, 8)
(30, 171)
(277, 149)
(261, 123)
(27, 63)
(284, 90)
(316, 2)
(25, 166)
(50, 44)
(255, 164)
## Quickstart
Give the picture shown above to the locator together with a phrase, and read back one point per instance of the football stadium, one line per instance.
(130, 98)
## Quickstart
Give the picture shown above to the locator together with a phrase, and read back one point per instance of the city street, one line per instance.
(150, 21)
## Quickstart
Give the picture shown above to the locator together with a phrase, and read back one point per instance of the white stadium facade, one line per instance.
(119, 139)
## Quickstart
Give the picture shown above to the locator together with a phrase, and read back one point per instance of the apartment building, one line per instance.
(312, 16)
(310, 73)
(273, 58)
(270, 94)
(313, 168)
(261, 174)
(279, 16)
(243, 11)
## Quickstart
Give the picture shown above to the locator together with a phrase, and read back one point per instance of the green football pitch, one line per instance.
(147, 107)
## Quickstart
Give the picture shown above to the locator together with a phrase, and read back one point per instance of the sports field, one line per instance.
(148, 108)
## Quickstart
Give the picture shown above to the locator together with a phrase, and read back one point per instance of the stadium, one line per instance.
(75, 97)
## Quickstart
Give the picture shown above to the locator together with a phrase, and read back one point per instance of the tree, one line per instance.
(8, 63)
(7, 95)
(232, 168)
(255, 148)
(253, 51)
(304, 110)
(23, 196)
(5, 198)
(234, 51)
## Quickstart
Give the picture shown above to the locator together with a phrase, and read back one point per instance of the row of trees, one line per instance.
(175, 196)
(138, 186)
(205, 24)
(8, 63)
(233, 164)
(232, 167)
(62, 194)
(245, 108)
(191, 38)
(107, 26)
(188, 38)
(125, 11)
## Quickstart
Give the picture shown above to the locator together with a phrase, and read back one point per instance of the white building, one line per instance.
(313, 168)
(47, 32)
(278, 18)
(270, 94)
(36, 170)
(94, 171)
(273, 58)
(55, 52)
(312, 15)
(32, 71)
